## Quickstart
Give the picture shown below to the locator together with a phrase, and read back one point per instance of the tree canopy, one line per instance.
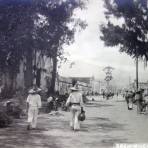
(27, 26)
(130, 34)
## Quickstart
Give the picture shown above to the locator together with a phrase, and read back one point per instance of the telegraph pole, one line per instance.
(137, 76)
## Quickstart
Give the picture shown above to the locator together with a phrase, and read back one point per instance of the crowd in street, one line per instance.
(139, 98)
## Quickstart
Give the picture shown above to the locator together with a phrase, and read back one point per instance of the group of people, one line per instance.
(52, 103)
(74, 102)
(140, 98)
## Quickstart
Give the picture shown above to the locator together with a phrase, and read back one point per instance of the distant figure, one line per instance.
(75, 102)
(126, 97)
(49, 104)
(56, 103)
(145, 95)
(130, 100)
(33, 105)
(63, 106)
(139, 100)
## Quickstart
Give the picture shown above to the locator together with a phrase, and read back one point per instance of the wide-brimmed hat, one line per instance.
(74, 88)
(32, 91)
(38, 89)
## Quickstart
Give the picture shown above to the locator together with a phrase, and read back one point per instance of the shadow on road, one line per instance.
(94, 104)
(98, 118)
(101, 124)
(18, 137)
(103, 127)
(106, 127)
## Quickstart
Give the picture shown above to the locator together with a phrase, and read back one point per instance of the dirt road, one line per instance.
(107, 122)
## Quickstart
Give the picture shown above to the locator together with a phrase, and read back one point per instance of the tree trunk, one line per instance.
(11, 84)
(53, 79)
(28, 76)
(38, 77)
(137, 81)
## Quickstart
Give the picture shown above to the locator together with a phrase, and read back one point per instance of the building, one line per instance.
(44, 67)
(85, 83)
(142, 85)
(63, 84)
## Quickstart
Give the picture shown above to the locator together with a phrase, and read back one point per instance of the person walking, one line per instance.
(144, 101)
(127, 97)
(76, 103)
(139, 100)
(130, 100)
(33, 105)
(145, 95)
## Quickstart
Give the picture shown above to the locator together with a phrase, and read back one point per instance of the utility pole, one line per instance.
(129, 80)
(137, 76)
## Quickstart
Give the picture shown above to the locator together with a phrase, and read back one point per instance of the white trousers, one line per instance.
(32, 116)
(75, 111)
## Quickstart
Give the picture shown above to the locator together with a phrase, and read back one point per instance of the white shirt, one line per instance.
(34, 100)
(49, 99)
(75, 97)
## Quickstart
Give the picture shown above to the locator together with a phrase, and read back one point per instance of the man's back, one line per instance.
(34, 100)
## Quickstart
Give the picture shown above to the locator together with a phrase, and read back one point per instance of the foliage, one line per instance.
(5, 120)
(130, 34)
(14, 110)
(54, 31)
(28, 26)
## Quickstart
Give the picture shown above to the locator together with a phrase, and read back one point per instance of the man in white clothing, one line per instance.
(75, 101)
(33, 105)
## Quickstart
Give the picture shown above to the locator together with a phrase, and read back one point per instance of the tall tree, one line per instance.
(27, 26)
(130, 34)
(54, 29)
(11, 16)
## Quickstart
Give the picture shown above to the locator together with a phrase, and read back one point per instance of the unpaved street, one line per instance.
(107, 122)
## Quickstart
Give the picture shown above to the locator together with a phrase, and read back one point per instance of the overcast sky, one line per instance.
(91, 56)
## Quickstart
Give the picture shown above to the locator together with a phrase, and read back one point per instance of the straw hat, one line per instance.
(75, 88)
(32, 91)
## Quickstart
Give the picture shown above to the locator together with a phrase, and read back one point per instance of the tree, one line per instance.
(131, 35)
(28, 26)
(55, 30)
(11, 16)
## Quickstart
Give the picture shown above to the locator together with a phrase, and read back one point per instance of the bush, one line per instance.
(14, 111)
(17, 111)
(5, 120)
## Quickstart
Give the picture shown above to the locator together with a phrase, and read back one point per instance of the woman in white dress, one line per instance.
(75, 102)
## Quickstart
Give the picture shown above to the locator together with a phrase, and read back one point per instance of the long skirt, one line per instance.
(75, 111)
